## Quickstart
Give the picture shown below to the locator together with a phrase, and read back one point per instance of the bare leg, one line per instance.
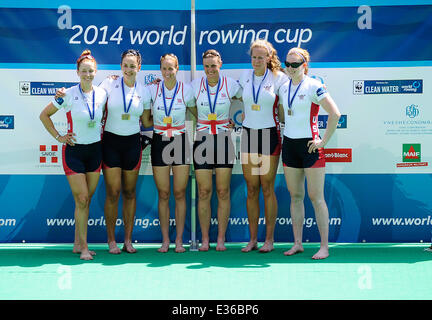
(161, 177)
(315, 178)
(81, 194)
(268, 168)
(295, 179)
(205, 189)
(129, 180)
(112, 177)
(180, 182)
(223, 181)
(250, 170)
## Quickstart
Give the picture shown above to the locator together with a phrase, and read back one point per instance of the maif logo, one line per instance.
(48, 155)
(411, 156)
(411, 152)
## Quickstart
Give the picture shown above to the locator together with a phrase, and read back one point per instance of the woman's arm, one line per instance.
(45, 118)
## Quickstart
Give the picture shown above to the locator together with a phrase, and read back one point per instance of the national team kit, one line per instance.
(106, 122)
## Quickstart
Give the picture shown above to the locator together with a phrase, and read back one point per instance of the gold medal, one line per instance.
(167, 119)
(290, 112)
(212, 116)
(256, 107)
(91, 123)
(125, 116)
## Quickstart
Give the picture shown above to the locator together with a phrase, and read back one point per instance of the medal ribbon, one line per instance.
(126, 110)
(167, 113)
(212, 110)
(92, 114)
(290, 101)
(255, 98)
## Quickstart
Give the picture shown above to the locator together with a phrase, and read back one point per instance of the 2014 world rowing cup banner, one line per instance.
(375, 61)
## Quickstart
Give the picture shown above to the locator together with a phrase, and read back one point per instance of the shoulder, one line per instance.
(108, 84)
(196, 82)
(313, 83)
(280, 77)
(99, 90)
(230, 81)
(143, 89)
(187, 87)
(316, 87)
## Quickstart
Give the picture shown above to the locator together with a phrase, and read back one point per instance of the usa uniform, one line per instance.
(170, 142)
(261, 129)
(213, 146)
(84, 112)
(301, 108)
(121, 144)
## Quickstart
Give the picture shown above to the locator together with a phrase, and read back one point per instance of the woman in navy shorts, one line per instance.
(302, 152)
(170, 146)
(84, 105)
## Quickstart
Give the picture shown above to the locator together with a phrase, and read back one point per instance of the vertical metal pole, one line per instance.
(194, 241)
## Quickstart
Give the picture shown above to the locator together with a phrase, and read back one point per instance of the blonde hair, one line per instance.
(274, 64)
(169, 55)
(86, 54)
(302, 53)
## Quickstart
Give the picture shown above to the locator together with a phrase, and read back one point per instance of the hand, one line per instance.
(314, 145)
(155, 81)
(68, 138)
(60, 93)
(231, 124)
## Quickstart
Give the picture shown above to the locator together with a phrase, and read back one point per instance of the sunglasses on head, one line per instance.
(293, 64)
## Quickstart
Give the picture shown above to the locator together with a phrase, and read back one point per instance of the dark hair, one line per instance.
(132, 52)
(86, 54)
(211, 53)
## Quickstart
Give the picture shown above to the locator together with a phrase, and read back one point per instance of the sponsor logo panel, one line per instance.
(338, 154)
(361, 87)
(7, 122)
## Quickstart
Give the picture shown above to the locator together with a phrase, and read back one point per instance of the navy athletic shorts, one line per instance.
(172, 151)
(121, 151)
(265, 141)
(82, 158)
(295, 154)
(213, 151)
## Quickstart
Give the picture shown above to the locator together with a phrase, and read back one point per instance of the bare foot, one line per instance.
(252, 245)
(164, 247)
(127, 247)
(205, 246)
(77, 249)
(296, 248)
(220, 245)
(85, 255)
(179, 248)
(321, 254)
(267, 247)
(113, 249)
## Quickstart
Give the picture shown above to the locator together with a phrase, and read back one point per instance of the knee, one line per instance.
(253, 191)
(267, 189)
(179, 194)
(316, 198)
(129, 194)
(204, 193)
(297, 196)
(223, 193)
(82, 200)
(113, 195)
(164, 195)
